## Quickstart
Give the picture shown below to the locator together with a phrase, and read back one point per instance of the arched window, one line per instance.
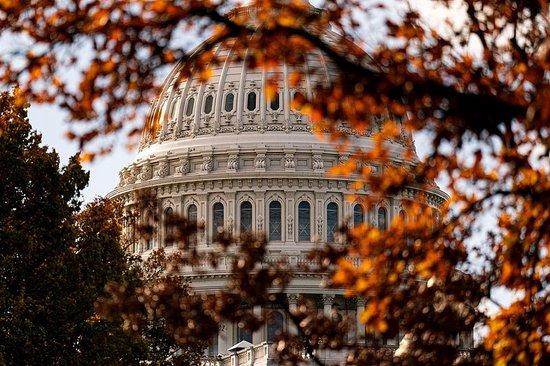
(169, 229)
(358, 215)
(246, 217)
(403, 215)
(304, 221)
(275, 221)
(213, 345)
(229, 102)
(217, 220)
(251, 101)
(244, 335)
(332, 221)
(192, 218)
(275, 103)
(382, 218)
(150, 222)
(274, 325)
(190, 106)
(208, 103)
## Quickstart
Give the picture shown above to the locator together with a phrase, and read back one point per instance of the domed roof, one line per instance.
(232, 103)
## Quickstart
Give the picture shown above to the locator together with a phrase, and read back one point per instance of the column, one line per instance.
(224, 338)
(328, 301)
(292, 306)
(360, 325)
(258, 335)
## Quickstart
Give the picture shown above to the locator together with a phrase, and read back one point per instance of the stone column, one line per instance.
(258, 336)
(224, 337)
(292, 306)
(360, 326)
(328, 301)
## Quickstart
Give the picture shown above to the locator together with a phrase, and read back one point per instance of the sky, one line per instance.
(50, 121)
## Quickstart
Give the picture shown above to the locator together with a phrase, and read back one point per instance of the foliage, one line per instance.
(55, 261)
(478, 85)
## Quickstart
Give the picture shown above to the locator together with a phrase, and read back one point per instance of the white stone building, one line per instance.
(225, 156)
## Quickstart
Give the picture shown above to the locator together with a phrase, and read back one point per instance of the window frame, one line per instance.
(299, 239)
(251, 210)
(215, 232)
(226, 96)
(190, 106)
(269, 223)
(328, 231)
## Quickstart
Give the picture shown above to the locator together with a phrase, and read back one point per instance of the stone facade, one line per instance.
(223, 153)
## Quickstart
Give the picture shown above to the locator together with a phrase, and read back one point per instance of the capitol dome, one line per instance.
(222, 154)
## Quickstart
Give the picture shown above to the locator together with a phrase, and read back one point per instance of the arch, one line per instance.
(358, 214)
(403, 215)
(382, 218)
(332, 221)
(150, 221)
(275, 325)
(218, 217)
(275, 221)
(190, 106)
(229, 103)
(208, 104)
(246, 217)
(251, 101)
(169, 229)
(304, 221)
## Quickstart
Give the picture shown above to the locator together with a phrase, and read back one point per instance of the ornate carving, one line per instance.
(290, 162)
(146, 172)
(318, 163)
(207, 163)
(328, 299)
(292, 299)
(343, 158)
(184, 167)
(290, 225)
(233, 162)
(259, 162)
(320, 226)
(260, 223)
(163, 169)
(229, 225)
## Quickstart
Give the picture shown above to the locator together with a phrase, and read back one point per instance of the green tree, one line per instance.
(56, 261)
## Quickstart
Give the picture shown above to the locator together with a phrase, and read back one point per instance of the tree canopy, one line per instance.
(56, 260)
(478, 85)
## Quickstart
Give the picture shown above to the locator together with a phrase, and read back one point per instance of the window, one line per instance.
(208, 103)
(244, 335)
(332, 221)
(217, 220)
(275, 104)
(251, 101)
(274, 325)
(403, 215)
(190, 106)
(275, 221)
(358, 215)
(229, 101)
(150, 222)
(382, 218)
(213, 345)
(246, 217)
(304, 223)
(192, 218)
(169, 229)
